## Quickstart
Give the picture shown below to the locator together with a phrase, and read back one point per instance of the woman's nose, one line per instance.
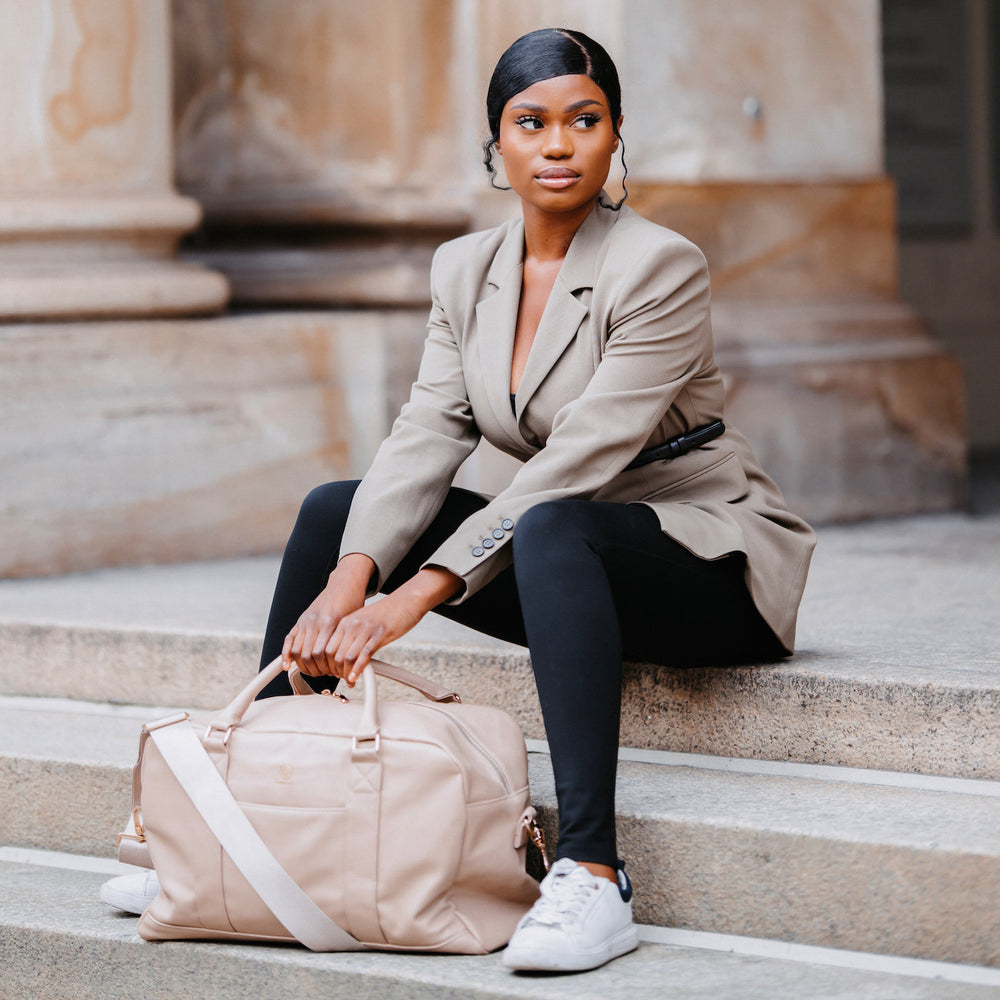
(558, 143)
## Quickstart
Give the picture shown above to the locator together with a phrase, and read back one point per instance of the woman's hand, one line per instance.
(361, 634)
(345, 592)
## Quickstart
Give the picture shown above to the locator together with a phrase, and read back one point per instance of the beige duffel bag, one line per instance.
(343, 825)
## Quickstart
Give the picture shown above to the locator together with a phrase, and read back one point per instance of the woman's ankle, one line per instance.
(601, 871)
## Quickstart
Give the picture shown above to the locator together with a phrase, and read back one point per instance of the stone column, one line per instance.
(323, 143)
(89, 220)
(757, 132)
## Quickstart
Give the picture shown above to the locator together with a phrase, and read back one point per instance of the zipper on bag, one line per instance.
(496, 766)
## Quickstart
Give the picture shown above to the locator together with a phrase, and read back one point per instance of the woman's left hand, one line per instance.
(361, 634)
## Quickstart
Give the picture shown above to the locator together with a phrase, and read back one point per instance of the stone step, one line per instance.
(58, 940)
(895, 668)
(894, 864)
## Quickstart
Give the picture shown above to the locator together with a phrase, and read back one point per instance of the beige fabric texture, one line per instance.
(416, 842)
(622, 360)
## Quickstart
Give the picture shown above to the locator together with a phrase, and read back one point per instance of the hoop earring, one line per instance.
(618, 204)
(490, 169)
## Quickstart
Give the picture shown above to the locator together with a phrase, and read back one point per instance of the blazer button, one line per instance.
(487, 543)
(507, 524)
(497, 534)
(479, 551)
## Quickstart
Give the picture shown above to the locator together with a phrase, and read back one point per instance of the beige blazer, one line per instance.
(622, 360)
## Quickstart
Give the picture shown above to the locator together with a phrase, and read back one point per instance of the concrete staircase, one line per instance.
(828, 827)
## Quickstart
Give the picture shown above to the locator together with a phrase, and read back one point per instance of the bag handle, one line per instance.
(233, 713)
(430, 690)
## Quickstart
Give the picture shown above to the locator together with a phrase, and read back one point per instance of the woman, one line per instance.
(574, 339)
(577, 339)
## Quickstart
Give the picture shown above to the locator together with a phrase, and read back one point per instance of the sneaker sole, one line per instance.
(537, 960)
(124, 901)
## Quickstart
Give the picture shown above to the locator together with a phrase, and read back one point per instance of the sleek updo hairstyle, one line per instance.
(543, 55)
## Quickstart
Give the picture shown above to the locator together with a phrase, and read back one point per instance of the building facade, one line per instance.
(216, 222)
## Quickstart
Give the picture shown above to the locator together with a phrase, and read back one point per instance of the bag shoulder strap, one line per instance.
(302, 918)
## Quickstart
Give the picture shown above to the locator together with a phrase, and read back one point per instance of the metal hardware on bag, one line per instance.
(537, 835)
(225, 738)
(140, 830)
(335, 694)
(456, 698)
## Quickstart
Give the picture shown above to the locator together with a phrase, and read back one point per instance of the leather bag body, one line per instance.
(404, 822)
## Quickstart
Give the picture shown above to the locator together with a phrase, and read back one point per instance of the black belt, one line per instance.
(679, 445)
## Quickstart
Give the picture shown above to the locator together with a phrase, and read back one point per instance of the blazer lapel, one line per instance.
(565, 311)
(496, 321)
(560, 320)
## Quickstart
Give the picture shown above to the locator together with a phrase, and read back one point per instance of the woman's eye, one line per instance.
(529, 122)
(587, 121)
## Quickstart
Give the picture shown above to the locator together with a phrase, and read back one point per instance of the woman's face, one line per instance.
(557, 139)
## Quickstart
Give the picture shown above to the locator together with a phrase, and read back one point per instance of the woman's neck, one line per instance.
(547, 235)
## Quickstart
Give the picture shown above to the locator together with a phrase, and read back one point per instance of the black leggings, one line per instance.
(591, 584)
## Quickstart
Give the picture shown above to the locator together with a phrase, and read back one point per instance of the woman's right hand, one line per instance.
(345, 593)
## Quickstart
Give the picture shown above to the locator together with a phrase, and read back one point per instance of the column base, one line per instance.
(101, 257)
(861, 415)
(109, 291)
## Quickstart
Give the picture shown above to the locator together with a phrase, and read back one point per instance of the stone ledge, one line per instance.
(59, 941)
(895, 671)
(812, 710)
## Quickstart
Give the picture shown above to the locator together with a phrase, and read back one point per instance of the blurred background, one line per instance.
(217, 218)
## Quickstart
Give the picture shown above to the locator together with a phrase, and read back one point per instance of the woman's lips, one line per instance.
(557, 178)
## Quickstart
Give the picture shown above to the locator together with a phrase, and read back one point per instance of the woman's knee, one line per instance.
(553, 522)
(330, 502)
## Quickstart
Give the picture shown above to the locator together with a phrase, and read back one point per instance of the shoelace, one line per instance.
(563, 896)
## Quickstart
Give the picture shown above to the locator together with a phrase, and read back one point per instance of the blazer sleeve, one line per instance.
(659, 337)
(413, 468)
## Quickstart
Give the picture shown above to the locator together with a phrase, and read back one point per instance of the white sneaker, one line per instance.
(131, 893)
(579, 922)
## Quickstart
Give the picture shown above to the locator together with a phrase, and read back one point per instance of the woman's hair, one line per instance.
(543, 55)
